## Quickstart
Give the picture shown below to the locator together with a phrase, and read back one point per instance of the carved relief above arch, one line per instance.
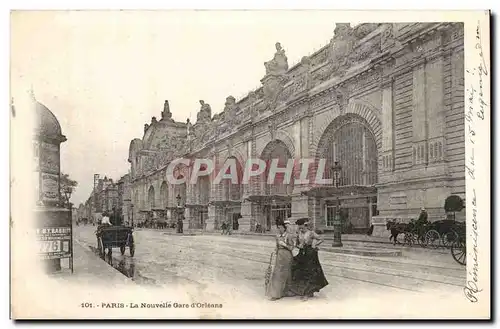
(282, 136)
(349, 139)
(356, 108)
(234, 152)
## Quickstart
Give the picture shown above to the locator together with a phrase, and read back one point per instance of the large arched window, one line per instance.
(349, 141)
(151, 197)
(203, 189)
(277, 151)
(233, 192)
(164, 194)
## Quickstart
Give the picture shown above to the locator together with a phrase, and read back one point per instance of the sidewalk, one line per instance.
(353, 243)
(327, 236)
(90, 269)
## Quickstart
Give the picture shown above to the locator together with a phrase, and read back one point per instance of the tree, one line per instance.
(65, 184)
(453, 203)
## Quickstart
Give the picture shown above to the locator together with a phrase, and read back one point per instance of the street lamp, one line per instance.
(180, 211)
(67, 193)
(132, 214)
(337, 225)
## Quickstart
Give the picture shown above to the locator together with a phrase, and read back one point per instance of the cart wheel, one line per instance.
(409, 239)
(458, 251)
(432, 239)
(122, 249)
(421, 241)
(448, 238)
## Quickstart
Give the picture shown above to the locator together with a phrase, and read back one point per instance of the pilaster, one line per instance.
(211, 221)
(246, 214)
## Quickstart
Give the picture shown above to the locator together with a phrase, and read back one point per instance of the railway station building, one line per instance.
(386, 101)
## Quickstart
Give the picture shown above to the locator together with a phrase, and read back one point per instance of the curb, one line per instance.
(372, 253)
(181, 234)
(90, 254)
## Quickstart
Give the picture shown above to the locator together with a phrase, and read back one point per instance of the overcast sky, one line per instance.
(105, 74)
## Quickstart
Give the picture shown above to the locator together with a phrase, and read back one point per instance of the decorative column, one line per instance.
(212, 213)
(300, 203)
(53, 218)
(246, 223)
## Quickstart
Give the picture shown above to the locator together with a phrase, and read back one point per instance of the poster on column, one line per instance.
(50, 187)
(49, 158)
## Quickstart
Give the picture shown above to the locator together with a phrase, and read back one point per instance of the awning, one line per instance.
(331, 191)
(267, 199)
(224, 203)
(196, 206)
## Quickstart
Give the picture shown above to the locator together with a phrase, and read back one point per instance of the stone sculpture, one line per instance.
(279, 64)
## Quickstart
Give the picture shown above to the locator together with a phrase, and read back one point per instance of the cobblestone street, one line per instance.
(238, 264)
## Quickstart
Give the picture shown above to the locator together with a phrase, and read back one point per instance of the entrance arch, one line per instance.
(230, 191)
(277, 150)
(350, 140)
(277, 204)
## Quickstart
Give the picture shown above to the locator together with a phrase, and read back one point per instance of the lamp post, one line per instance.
(180, 224)
(67, 193)
(132, 214)
(337, 224)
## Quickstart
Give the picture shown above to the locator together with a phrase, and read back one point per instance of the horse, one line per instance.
(396, 229)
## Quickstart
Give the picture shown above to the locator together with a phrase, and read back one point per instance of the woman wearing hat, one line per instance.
(307, 274)
(282, 272)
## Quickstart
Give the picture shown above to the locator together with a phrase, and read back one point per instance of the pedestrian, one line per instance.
(282, 273)
(180, 224)
(105, 220)
(307, 274)
(422, 218)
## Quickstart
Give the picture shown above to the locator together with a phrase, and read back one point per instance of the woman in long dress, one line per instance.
(282, 272)
(307, 274)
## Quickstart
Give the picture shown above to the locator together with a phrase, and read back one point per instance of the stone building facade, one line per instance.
(384, 100)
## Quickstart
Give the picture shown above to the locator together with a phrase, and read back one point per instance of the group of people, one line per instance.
(299, 275)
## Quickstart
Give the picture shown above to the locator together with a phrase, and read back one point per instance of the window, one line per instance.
(330, 215)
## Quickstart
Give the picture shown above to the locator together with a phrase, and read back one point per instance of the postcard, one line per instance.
(308, 164)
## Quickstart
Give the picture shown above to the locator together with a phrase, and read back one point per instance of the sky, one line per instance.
(106, 73)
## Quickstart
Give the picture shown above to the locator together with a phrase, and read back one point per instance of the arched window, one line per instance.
(180, 190)
(279, 152)
(353, 145)
(232, 191)
(151, 197)
(204, 189)
(164, 194)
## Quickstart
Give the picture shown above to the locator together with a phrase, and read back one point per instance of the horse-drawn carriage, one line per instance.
(441, 233)
(109, 237)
